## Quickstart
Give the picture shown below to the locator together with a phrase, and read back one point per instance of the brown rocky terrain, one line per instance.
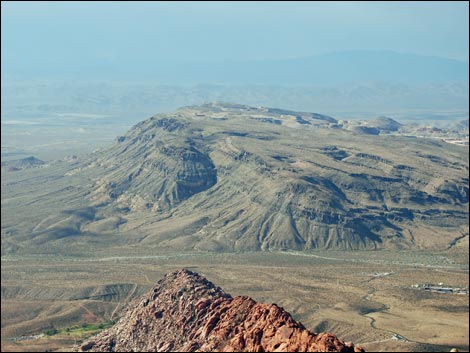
(186, 312)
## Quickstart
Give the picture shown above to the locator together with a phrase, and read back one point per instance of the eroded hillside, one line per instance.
(233, 177)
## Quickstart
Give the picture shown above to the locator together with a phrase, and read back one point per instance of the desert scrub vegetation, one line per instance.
(80, 330)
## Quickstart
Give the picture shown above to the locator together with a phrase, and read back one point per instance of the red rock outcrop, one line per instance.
(186, 312)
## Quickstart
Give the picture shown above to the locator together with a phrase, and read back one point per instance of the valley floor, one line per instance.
(375, 299)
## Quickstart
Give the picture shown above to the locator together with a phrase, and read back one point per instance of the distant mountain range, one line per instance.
(46, 98)
(327, 69)
(379, 82)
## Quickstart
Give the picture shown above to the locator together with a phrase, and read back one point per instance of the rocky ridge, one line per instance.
(186, 312)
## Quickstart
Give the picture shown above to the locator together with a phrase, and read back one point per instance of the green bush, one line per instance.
(52, 331)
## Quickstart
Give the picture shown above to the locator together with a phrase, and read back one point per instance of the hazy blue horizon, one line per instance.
(116, 57)
(71, 36)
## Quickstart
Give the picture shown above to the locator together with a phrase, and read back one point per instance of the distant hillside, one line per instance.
(18, 164)
(231, 177)
(384, 123)
(461, 126)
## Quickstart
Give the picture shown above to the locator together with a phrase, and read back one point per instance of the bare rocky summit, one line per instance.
(186, 312)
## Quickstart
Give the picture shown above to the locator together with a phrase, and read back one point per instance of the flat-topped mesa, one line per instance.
(230, 177)
(186, 312)
(218, 107)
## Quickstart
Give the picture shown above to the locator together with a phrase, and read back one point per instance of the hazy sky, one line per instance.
(36, 34)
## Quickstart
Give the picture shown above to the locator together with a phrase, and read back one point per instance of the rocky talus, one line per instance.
(186, 312)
